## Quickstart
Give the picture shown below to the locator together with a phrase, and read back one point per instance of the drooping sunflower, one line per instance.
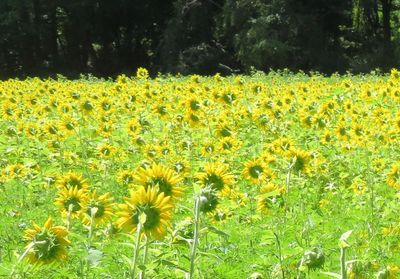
(154, 204)
(72, 180)
(216, 176)
(100, 206)
(71, 200)
(393, 177)
(270, 196)
(48, 244)
(162, 177)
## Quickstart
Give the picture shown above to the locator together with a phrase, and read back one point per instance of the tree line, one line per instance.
(109, 37)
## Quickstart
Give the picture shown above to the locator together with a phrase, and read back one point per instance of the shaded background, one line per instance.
(109, 37)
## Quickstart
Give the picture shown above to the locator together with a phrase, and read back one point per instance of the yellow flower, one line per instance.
(47, 244)
(216, 176)
(255, 170)
(70, 201)
(161, 177)
(154, 204)
(142, 73)
(72, 180)
(393, 177)
(100, 206)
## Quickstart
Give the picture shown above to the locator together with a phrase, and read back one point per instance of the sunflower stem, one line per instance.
(70, 207)
(137, 248)
(23, 255)
(343, 263)
(195, 237)
(145, 254)
(278, 243)
(93, 212)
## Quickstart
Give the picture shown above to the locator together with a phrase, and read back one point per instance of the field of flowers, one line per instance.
(260, 176)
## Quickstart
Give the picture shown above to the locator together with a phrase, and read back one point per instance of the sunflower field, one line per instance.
(259, 176)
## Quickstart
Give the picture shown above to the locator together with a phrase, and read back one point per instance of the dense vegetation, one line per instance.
(104, 37)
(261, 176)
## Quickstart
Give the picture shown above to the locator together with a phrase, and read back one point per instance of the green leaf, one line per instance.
(217, 231)
(94, 257)
(343, 239)
(171, 264)
(332, 274)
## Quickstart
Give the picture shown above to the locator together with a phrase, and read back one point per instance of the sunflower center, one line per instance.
(164, 186)
(227, 145)
(226, 132)
(100, 209)
(74, 182)
(256, 171)
(299, 164)
(74, 201)
(152, 216)
(214, 181)
(47, 247)
(194, 105)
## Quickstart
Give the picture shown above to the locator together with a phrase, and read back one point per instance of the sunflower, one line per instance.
(72, 180)
(162, 177)
(209, 148)
(359, 186)
(229, 145)
(142, 73)
(216, 176)
(48, 244)
(106, 151)
(154, 204)
(393, 177)
(208, 199)
(133, 127)
(125, 177)
(301, 160)
(327, 138)
(255, 170)
(70, 201)
(100, 206)
(270, 196)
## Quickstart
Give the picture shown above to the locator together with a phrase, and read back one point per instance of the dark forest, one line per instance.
(110, 37)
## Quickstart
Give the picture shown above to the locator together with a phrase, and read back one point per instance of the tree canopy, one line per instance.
(109, 37)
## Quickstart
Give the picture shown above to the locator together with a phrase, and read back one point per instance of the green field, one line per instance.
(264, 173)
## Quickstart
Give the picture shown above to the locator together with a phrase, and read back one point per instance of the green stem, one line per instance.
(278, 243)
(137, 248)
(145, 255)
(195, 237)
(343, 263)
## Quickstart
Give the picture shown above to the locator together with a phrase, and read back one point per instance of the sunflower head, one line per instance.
(72, 180)
(216, 176)
(70, 201)
(208, 200)
(97, 209)
(162, 178)
(48, 244)
(153, 204)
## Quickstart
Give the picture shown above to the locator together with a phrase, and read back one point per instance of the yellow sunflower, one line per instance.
(301, 160)
(71, 200)
(393, 177)
(100, 206)
(72, 180)
(216, 176)
(255, 170)
(270, 196)
(162, 177)
(154, 204)
(47, 244)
